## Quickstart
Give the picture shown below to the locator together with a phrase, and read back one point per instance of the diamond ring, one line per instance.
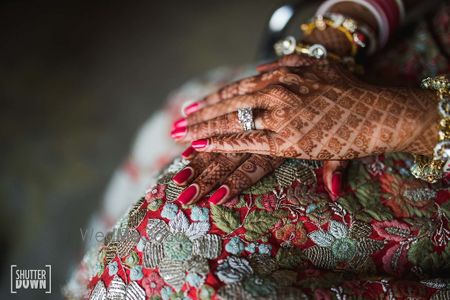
(245, 116)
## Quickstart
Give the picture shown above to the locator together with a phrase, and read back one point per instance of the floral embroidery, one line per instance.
(179, 247)
(303, 230)
(407, 197)
(132, 259)
(136, 273)
(250, 248)
(169, 211)
(141, 244)
(292, 234)
(156, 192)
(264, 249)
(195, 280)
(152, 284)
(392, 230)
(341, 244)
(154, 204)
(113, 268)
(255, 279)
(199, 214)
(234, 246)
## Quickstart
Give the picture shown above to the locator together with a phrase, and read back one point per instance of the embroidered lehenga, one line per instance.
(387, 236)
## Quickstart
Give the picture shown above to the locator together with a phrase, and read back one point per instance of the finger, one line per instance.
(258, 142)
(247, 174)
(238, 88)
(211, 177)
(223, 125)
(293, 60)
(254, 101)
(189, 153)
(194, 168)
(332, 177)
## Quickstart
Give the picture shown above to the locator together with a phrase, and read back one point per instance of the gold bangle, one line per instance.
(427, 169)
(431, 169)
(347, 26)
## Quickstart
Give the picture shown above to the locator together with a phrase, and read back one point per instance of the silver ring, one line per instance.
(245, 116)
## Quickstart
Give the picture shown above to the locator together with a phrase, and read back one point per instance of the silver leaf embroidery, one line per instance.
(99, 292)
(116, 289)
(337, 229)
(321, 238)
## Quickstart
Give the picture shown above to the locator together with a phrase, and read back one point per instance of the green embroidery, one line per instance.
(224, 218)
(422, 254)
(259, 286)
(258, 222)
(289, 258)
(132, 259)
(364, 204)
(343, 249)
(178, 247)
(154, 205)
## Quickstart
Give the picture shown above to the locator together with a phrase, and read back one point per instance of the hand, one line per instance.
(310, 112)
(232, 173)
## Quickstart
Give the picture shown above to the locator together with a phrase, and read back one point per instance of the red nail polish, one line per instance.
(188, 194)
(191, 108)
(336, 181)
(200, 144)
(188, 153)
(183, 176)
(219, 195)
(179, 123)
(179, 133)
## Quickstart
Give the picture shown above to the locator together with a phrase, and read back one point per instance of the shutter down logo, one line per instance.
(31, 279)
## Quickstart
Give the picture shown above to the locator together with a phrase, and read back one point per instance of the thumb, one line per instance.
(332, 176)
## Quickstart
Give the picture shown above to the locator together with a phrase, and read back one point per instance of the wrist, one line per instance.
(332, 39)
(426, 124)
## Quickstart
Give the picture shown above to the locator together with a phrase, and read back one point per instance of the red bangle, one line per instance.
(392, 13)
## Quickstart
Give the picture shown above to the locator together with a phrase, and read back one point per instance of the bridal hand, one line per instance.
(310, 112)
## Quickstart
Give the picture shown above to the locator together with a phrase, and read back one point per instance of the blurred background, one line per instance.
(77, 79)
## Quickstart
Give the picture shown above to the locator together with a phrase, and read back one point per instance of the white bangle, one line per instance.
(375, 10)
(401, 10)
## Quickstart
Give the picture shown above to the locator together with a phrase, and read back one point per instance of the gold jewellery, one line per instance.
(358, 35)
(289, 45)
(432, 169)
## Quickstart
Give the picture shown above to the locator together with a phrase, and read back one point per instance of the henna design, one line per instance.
(321, 111)
(216, 172)
(252, 170)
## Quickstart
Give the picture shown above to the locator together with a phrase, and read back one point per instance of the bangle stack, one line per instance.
(387, 13)
(432, 169)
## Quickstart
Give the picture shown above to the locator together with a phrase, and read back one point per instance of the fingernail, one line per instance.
(179, 123)
(188, 153)
(200, 144)
(336, 181)
(219, 195)
(178, 133)
(188, 194)
(191, 108)
(183, 176)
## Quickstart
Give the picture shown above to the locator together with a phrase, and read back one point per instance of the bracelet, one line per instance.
(289, 45)
(355, 33)
(441, 85)
(375, 10)
(432, 169)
